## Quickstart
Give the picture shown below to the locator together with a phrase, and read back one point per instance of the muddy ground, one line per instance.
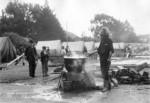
(17, 87)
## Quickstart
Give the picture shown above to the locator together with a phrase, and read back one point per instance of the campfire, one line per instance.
(76, 77)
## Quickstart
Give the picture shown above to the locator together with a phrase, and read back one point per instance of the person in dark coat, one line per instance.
(31, 57)
(44, 61)
(67, 49)
(105, 51)
(85, 49)
(20, 51)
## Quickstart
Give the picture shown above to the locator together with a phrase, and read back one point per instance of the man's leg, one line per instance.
(30, 68)
(44, 69)
(102, 63)
(34, 67)
(104, 70)
(108, 85)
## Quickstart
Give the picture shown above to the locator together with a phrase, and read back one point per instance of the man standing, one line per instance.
(67, 49)
(44, 61)
(31, 56)
(105, 51)
(63, 51)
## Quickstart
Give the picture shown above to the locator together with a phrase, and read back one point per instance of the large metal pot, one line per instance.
(74, 64)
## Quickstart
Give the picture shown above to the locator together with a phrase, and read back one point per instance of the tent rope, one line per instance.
(15, 59)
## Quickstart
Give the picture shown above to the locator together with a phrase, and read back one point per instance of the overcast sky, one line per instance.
(78, 13)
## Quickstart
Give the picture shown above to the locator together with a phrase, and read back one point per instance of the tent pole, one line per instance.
(66, 33)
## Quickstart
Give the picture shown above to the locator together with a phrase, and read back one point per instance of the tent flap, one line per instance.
(7, 50)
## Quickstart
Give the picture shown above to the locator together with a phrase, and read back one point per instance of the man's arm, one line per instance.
(111, 50)
(35, 51)
(110, 54)
(26, 51)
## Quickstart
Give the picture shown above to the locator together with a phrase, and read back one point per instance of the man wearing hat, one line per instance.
(44, 61)
(31, 56)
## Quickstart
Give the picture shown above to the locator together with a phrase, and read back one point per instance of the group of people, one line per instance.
(65, 50)
(128, 51)
(105, 51)
(32, 58)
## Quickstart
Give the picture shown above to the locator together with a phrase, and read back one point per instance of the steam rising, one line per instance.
(75, 55)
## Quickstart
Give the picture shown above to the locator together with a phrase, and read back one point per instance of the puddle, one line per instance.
(19, 84)
(47, 93)
(19, 95)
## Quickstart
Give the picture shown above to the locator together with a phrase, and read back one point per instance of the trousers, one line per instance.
(44, 68)
(32, 66)
(105, 70)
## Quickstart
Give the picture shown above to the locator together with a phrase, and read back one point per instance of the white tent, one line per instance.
(90, 45)
(54, 46)
(7, 50)
(118, 45)
(97, 44)
(75, 46)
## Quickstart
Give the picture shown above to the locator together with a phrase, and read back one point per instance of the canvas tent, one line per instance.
(7, 50)
(97, 44)
(54, 46)
(139, 48)
(118, 45)
(90, 45)
(28, 39)
(16, 40)
(75, 46)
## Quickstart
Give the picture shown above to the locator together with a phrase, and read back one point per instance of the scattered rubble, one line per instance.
(132, 75)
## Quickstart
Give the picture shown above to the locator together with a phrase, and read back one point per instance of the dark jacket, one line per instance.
(44, 57)
(105, 46)
(30, 53)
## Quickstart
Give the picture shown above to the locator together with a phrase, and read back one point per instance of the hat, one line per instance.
(44, 47)
(31, 41)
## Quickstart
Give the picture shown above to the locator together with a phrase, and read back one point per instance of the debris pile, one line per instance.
(132, 75)
(78, 81)
(75, 77)
(56, 61)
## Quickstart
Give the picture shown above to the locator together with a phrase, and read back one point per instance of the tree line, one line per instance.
(28, 20)
(120, 31)
(40, 23)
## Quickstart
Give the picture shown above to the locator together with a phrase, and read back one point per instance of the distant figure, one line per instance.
(63, 51)
(31, 56)
(128, 51)
(105, 51)
(67, 49)
(48, 51)
(85, 49)
(21, 51)
(49, 54)
(44, 61)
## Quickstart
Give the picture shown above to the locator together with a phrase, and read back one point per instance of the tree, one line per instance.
(16, 18)
(121, 32)
(86, 39)
(30, 20)
(16, 40)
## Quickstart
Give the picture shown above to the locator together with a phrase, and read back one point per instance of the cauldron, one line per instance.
(74, 64)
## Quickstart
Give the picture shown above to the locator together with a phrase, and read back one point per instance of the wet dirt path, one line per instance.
(42, 90)
(24, 93)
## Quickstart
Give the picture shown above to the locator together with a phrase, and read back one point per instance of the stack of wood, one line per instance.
(132, 75)
(56, 60)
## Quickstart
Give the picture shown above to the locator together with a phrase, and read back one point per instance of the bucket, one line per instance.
(67, 85)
